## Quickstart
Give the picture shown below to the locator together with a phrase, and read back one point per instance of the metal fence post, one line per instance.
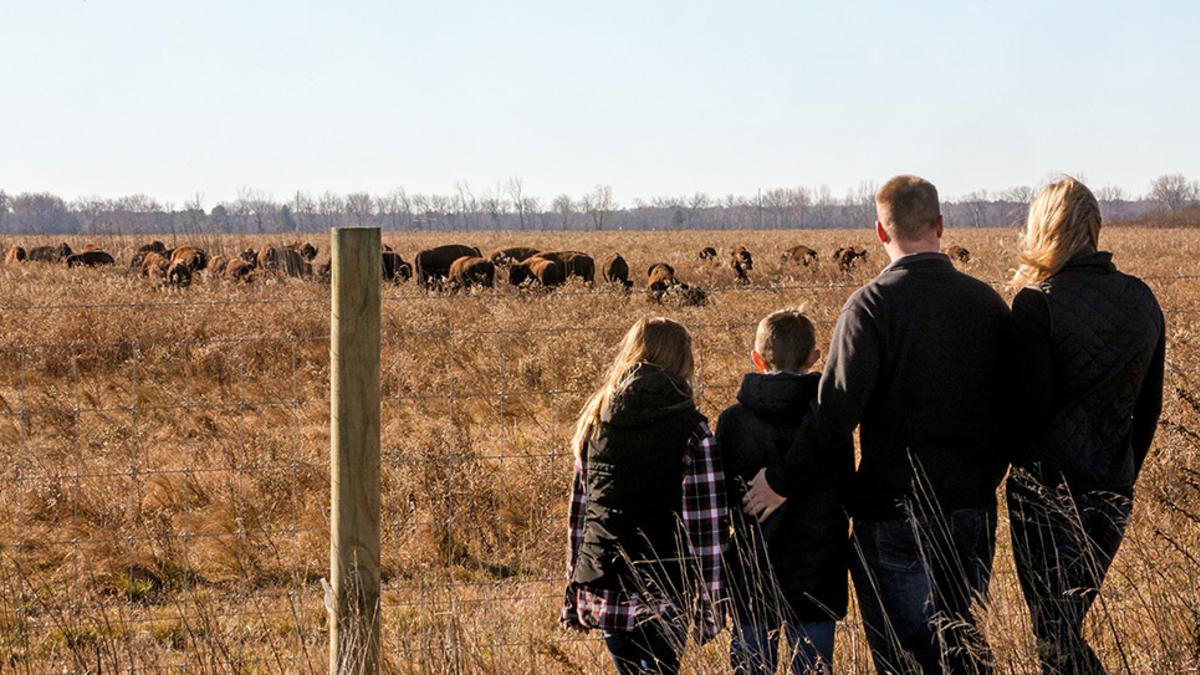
(354, 450)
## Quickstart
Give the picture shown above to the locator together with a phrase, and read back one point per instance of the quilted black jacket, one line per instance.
(1091, 341)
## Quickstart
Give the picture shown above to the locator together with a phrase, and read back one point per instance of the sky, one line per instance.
(171, 99)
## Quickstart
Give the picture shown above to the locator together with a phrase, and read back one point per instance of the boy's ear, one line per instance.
(758, 361)
(813, 358)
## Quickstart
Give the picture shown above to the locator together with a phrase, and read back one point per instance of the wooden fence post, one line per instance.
(354, 450)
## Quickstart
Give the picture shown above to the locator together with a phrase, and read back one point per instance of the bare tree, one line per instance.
(360, 206)
(467, 204)
(329, 209)
(598, 203)
(564, 208)
(3, 208)
(1173, 191)
(516, 193)
(1111, 193)
(1021, 194)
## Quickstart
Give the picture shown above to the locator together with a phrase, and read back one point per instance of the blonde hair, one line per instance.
(1064, 221)
(658, 341)
(785, 339)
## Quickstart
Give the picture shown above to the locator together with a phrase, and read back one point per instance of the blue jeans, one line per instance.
(652, 647)
(1063, 544)
(915, 579)
(754, 648)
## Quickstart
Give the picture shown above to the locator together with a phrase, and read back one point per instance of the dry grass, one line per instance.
(164, 484)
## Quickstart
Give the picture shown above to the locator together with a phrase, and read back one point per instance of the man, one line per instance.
(916, 361)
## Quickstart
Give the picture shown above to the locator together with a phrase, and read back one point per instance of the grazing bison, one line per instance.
(307, 251)
(469, 271)
(50, 254)
(394, 268)
(660, 277)
(179, 274)
(433, 264)
(14, 255)
(140, 254)
(708, 253)
(195, 258)
(507, 256)
(238, 269)
(577, 264)
(285, 261)
(216, 266)
(90, 258)
(959, 253)
(250, 256)
(154, 265)
(848, 256)
(545, 272)
(800, 255)
(616, 271)
(741, 263)
(668, 270)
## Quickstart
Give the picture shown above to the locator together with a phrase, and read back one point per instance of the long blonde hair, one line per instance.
(658, 341)
(1064, 221)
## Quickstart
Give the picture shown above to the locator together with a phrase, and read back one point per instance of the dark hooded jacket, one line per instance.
(635, 466)
(799, 555)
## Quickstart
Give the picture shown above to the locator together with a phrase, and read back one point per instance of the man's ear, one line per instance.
(881, 232)
(813, 358)
(941, 226)
(758, 361)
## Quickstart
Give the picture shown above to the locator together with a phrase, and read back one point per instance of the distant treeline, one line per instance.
(509, 208)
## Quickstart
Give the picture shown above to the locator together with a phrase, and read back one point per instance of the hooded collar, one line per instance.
(1099, 261)
(777, 392)
(650, 394)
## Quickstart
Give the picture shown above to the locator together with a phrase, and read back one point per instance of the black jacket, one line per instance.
(1091, 345)
(796, 563)
(918, 358)
(635, 471)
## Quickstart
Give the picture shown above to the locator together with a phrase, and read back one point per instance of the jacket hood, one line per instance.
(650, 395)
(775, 393)
(1100, 261)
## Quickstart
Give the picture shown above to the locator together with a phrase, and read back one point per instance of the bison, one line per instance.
(741, 263)
(848, 256)
(469, 271)
(660, 277)
(577, 264)
(90, 258)
(959, 253)
(546, 272)
(154, 264)
(616, 271)
(800, 255)
(195, 258)
(285, 261)
(307, 251)
(216, 266)
(14, 255)
(238, 269)
(433, 264)
(394, 268)
(140, 254)
(50, 254)
(708, 253)
(507, 256)
(179, 274)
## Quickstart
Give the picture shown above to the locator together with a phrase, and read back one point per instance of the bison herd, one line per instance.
(448, 268)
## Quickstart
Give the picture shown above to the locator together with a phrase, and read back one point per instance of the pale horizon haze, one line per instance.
(667, 98)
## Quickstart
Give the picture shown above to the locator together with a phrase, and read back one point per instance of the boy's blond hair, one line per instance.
(908, 207)
(785, 339)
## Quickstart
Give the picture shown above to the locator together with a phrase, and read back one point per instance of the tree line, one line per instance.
(510, 207)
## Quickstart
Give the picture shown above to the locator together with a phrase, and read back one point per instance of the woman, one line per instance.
(1090, 341)
(648, 519)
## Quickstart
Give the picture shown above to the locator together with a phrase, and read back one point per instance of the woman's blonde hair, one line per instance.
(658, 341)
(1064, 221)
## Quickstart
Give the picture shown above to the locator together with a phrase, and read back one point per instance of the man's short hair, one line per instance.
(908, 207)
(785, 339)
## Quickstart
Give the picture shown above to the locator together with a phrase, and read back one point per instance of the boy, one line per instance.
(789, 575)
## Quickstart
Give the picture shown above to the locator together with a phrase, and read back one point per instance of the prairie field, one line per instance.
(164, 479)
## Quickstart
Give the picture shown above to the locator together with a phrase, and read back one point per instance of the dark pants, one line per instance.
(652, 647)
(754, 647)
(1063, 544)
(915, 580)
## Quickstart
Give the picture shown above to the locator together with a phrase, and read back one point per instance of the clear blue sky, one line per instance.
(112, 97)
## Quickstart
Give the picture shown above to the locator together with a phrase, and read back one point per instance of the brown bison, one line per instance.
(216, 266)
(433, 264)
(140, 254)
(14, 255)
(660, 277)
(959, 253)
(708, 253)
(394, 268)
(307, 251)
(507, 256)
(92, 258)
(154, 264)
(179, 274)
(848, 256)
(800, 255)
(285, 261)
(238, 269)
(616, 271)
(195, 258)
(469, 271)
(545, 272)
(50, 254)
(741, 263)
(577, 264)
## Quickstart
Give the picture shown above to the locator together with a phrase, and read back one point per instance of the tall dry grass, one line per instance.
(164, 480)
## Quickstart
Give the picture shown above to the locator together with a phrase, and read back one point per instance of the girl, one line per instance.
(648, 520)
(1091, 343)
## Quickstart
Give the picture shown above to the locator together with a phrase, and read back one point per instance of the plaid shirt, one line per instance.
(706, 523)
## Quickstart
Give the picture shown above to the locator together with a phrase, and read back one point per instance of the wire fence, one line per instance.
(165, 486)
